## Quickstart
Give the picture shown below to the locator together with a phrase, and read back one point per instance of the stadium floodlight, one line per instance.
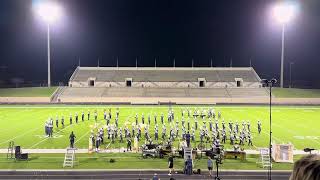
(283, 13)
(270, 83)
(50, 12)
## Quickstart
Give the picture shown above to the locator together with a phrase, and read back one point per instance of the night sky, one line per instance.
(222, 30)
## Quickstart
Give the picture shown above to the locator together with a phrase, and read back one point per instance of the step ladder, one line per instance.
(265, 158)
(187, 153)
(69, 159)
(10, 153)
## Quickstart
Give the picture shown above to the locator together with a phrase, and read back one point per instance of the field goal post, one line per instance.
(282, 153)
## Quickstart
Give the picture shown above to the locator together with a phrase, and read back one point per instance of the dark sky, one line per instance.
(163, 29)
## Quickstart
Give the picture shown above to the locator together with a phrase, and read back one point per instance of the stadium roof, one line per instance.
(165, 74)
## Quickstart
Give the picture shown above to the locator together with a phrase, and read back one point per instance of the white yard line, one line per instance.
(288, 130)
(82, 137)
(164, 106)
(301, 124)
(292, 132)
(256, 127)
(23, 134)
(48, 137)
(22, 121)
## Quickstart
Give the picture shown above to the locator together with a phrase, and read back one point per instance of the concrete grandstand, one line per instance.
(161, 84)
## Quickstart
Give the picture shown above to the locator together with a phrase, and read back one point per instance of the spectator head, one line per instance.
(307, 168)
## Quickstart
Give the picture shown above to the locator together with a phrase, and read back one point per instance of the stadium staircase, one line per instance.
(55, 96)
(229, 95)
(265, 158)
(70, 156)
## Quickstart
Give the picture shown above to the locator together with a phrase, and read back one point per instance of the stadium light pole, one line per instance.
(290, 84)
(283, 13)
(270, 83)
(50, 12)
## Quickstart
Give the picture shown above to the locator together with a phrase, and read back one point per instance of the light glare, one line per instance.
(48, 11)
(284, 12)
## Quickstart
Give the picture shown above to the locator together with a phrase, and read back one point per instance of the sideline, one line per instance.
(58, 151)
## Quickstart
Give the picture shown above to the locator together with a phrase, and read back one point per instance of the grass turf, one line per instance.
(27, 92)
(126, 160)
(296, 93)
(25, 124)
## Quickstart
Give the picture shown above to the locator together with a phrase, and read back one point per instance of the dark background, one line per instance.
(222, 30)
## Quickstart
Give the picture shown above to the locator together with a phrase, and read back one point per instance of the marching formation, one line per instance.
(208, 126)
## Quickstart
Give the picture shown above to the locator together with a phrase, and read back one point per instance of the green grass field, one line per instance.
(25, 124)
(126, 161)
(27, 92)
(296, 93)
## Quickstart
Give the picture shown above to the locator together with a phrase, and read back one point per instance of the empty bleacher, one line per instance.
(247, 92)
(82, 92)
(164, 92)
(123, 92)
(155, 84)
(105, 74)
(207, 92)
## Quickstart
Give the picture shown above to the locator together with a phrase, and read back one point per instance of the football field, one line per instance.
(24, 124)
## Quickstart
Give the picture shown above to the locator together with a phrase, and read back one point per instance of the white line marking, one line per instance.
(162, 107)
(289, 130)
(20, 135)
(48, 137)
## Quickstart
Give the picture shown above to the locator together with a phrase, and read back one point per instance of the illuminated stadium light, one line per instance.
(49, 11)
(284, 12)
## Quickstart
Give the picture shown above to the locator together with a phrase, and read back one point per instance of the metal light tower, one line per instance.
(270, 83)
(290, 84)
(283, 13)
(50, 13)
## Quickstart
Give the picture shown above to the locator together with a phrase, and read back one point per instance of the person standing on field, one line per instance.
(72, 137)
(170, 163)
(189, 166)
(76, 115)
(50, 127)
(95, 115)
(129, 144)
(259, 126)
(82, 116)
(70, 119)
(62, 121)
(210, 165)
(57, 121)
